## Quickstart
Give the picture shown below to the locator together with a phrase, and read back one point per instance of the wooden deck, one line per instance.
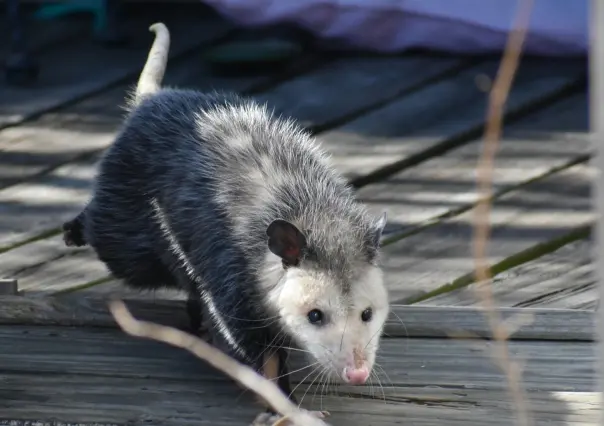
(406, 130)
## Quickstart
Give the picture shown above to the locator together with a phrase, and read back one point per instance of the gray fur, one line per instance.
(185, 195)
(194, 155)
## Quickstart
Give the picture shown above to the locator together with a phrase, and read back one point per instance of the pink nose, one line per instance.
(356, 376)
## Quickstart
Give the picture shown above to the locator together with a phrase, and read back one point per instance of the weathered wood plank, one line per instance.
(102, 114)
(548, 210)
(352, 85)
(66, 189)
(448, 321)
(48, 265)
(549, 366)
(563, 279)
(64, 79)
(90, 309)
(442, 115)
(88, 127)
(24, 217)
(531, 147)
(117, 400)
(77, 132)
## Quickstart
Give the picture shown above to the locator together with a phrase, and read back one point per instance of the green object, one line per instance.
(96, 7)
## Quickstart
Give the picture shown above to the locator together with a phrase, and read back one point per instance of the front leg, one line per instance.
(275, 368)
(284, 378)
(194, 310)
(194, 303)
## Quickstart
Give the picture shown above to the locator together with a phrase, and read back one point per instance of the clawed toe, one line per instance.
(272, 419)
(267, 419)
(320, 414)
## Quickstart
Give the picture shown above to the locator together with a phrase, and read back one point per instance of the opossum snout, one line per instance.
(355, 376)
(356, 371)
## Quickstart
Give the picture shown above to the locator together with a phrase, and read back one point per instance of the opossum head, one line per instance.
(331, 298)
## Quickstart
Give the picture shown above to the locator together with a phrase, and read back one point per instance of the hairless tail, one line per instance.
(153, 72)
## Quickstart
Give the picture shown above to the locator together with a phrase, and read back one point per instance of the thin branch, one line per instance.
(497, 99)
(239, 372)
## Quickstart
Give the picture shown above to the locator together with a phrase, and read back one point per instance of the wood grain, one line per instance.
(531, 147)
(350, 84)
(57, 138)
(521, 219)
(44, 202)
(54, 157)
(117, 400)
(563, 279)
(442, 115)
(90, 309)
(79, 67)
(106, 376)
(410, 362)
(98, 118)
(66, 189)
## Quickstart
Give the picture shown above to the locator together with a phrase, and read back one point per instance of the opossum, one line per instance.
(215, 194)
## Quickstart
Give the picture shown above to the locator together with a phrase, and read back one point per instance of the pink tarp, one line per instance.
(558, 27)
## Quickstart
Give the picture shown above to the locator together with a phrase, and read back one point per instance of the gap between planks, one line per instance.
(373, 80)
(534, 148)
(536, 169)
(562, 279)
(404, 321)
(386, 72)
(527, 222)
(540, 177)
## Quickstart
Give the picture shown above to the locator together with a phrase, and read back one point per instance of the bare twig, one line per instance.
(497, 100)
(266, 389)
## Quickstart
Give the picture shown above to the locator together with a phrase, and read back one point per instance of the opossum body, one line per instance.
(213, 194)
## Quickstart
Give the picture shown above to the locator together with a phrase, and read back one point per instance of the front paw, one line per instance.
(266, 419)
(320, 414)
(272, 419)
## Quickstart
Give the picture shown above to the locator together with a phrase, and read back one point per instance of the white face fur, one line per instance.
(340, 330)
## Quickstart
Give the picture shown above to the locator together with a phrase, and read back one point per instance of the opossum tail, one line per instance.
(149, 82)
(153, 72)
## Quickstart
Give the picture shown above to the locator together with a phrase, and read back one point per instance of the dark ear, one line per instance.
(286, 241)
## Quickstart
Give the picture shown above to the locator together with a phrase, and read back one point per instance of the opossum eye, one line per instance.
(366, 315)
(315, 317)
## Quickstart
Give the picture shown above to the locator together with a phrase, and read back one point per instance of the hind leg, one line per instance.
(194, 306)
